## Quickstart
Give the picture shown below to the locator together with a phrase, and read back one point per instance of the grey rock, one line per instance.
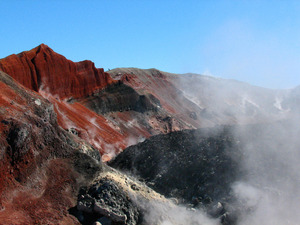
(105, 198)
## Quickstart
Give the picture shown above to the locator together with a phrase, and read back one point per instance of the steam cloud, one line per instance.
(166, 213)
(269, 190)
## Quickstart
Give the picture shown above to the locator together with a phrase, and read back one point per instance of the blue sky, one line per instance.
(253, 41)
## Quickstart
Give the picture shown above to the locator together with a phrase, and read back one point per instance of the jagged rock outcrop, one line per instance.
(43, 69)
(106, 199)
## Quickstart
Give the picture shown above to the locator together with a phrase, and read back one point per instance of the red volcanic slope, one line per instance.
(42, 68)
(38, 177)
(93, 128)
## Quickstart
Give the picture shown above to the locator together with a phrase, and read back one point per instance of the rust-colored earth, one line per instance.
(69, 86)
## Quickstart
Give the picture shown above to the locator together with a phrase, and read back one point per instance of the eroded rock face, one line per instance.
(42, 166)
(42, 68)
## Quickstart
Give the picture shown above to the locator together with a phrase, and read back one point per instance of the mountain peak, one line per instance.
(42, 47)
(42, 69)
(34, 51)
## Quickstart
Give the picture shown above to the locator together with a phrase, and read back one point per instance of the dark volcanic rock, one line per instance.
(105, 199)
(193, 165)
(120, 97)
(210, 168)
(197, 167)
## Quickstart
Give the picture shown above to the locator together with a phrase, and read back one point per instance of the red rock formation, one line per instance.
(42, 68)
(56, 79)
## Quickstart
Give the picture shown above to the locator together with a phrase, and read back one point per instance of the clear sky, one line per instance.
(253, 41)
